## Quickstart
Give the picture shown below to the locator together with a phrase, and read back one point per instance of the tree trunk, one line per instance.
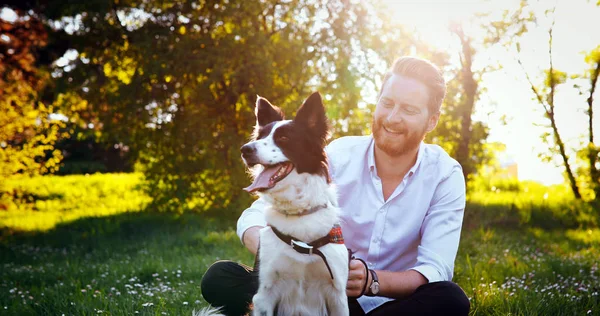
(563, 154)
(466, 108)
(467, 105)
(550, 112)
(592, 149)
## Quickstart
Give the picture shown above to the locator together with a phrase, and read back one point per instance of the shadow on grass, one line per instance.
(538, 216)
(128, 232)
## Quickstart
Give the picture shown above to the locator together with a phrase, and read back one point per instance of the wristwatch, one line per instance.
(375, 283)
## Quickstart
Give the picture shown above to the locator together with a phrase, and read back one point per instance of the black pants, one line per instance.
(231, 286)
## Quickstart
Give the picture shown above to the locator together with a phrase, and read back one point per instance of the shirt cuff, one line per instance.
(429, 272)
(250, 218)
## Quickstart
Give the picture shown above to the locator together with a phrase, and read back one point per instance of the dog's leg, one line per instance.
(265, 301)
(337, 303)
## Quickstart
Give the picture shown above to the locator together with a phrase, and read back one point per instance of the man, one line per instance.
(402, 203)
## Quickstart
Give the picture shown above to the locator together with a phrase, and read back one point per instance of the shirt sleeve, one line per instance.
(252, 216)
(440, 232)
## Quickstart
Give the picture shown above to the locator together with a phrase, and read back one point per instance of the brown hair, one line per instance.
(423, 71)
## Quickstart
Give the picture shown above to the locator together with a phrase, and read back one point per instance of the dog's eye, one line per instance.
(282, 138)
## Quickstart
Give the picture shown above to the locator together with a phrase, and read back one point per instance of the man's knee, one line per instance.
(445, 296)
(212, 284)
(455, 298)
(229, 285)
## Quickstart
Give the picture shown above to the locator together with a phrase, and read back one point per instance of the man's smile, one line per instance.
(392, 131)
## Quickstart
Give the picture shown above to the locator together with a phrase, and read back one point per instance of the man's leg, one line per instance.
(437, 298)
(355, 308)
(229, 285)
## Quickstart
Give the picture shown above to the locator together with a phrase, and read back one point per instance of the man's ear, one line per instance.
(266, 112)
(433, 120)
(312, 115)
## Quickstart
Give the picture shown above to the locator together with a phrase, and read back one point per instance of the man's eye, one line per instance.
(411, 110)
(282, 138)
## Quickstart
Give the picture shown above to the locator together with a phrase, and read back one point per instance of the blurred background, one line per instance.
(141, 106)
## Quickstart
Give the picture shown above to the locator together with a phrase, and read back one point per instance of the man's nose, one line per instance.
(247, 149)
(394, 115)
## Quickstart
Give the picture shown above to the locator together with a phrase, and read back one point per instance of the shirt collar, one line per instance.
(371, 157)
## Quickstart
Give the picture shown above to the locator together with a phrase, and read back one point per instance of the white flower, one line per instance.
(147, 304)
(185, 303)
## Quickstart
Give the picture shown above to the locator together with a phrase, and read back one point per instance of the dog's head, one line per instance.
(282, 146)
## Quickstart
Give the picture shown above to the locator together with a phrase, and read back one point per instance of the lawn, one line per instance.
(82, 245)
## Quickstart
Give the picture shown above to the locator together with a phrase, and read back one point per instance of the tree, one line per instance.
(463, 138)
(177, 82)
(27, 134)
(589, 171)
(511, 28)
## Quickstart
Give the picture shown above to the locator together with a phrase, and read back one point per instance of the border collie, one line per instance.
(303, 263)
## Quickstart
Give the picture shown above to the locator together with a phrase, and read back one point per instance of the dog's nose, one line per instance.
(247, 149)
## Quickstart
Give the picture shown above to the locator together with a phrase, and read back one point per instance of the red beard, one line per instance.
(399, 145)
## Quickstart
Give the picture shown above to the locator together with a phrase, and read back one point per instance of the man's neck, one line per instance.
(394, 167)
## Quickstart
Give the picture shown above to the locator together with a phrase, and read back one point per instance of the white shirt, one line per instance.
(417, 228)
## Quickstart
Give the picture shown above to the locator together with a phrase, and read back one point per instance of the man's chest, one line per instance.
(365, 213)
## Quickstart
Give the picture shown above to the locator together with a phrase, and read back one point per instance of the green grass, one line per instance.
(82, 259)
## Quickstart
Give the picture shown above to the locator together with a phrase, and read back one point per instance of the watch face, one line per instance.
(375, 288)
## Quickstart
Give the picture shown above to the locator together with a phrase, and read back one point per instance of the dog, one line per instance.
(303, 263)
(302, 260)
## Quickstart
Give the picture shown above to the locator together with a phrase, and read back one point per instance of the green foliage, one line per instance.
(177, 82)
(27, 134)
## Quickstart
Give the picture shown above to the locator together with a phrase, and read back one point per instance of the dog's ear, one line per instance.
(266, 112)
(312, 115)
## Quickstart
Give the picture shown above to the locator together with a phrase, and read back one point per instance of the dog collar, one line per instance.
(306, 212)
(334, 236)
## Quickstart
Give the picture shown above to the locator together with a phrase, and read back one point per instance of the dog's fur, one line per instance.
(291, 283)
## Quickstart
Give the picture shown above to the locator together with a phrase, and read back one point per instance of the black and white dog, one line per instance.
(303, 261)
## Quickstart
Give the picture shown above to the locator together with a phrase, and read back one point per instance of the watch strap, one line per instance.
(374, 280)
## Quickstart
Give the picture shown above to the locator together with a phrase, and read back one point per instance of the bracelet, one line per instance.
(367, 274)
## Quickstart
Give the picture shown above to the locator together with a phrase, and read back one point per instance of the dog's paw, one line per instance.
(260, 308)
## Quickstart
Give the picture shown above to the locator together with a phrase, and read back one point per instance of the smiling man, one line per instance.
(402, 203)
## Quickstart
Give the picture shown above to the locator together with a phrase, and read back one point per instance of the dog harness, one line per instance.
(333, 237)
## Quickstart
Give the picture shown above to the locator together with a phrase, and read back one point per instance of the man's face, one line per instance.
(402, 117)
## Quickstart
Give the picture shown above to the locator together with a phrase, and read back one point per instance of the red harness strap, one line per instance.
(335, 235)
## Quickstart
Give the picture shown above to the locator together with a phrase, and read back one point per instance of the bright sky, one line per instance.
(509, 93)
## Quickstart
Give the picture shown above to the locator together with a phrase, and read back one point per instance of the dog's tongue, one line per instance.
(263, 180)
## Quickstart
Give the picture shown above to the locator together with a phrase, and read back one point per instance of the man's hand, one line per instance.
(357, 276)
(251, 237)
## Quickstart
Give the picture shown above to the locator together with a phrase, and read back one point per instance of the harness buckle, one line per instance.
(301, 247)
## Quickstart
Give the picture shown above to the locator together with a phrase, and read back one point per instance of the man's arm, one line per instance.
(250, 223)
(250, 238)
(391, 284)
(440, 235)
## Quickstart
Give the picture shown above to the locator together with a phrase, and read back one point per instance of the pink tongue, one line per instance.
(262, 181)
